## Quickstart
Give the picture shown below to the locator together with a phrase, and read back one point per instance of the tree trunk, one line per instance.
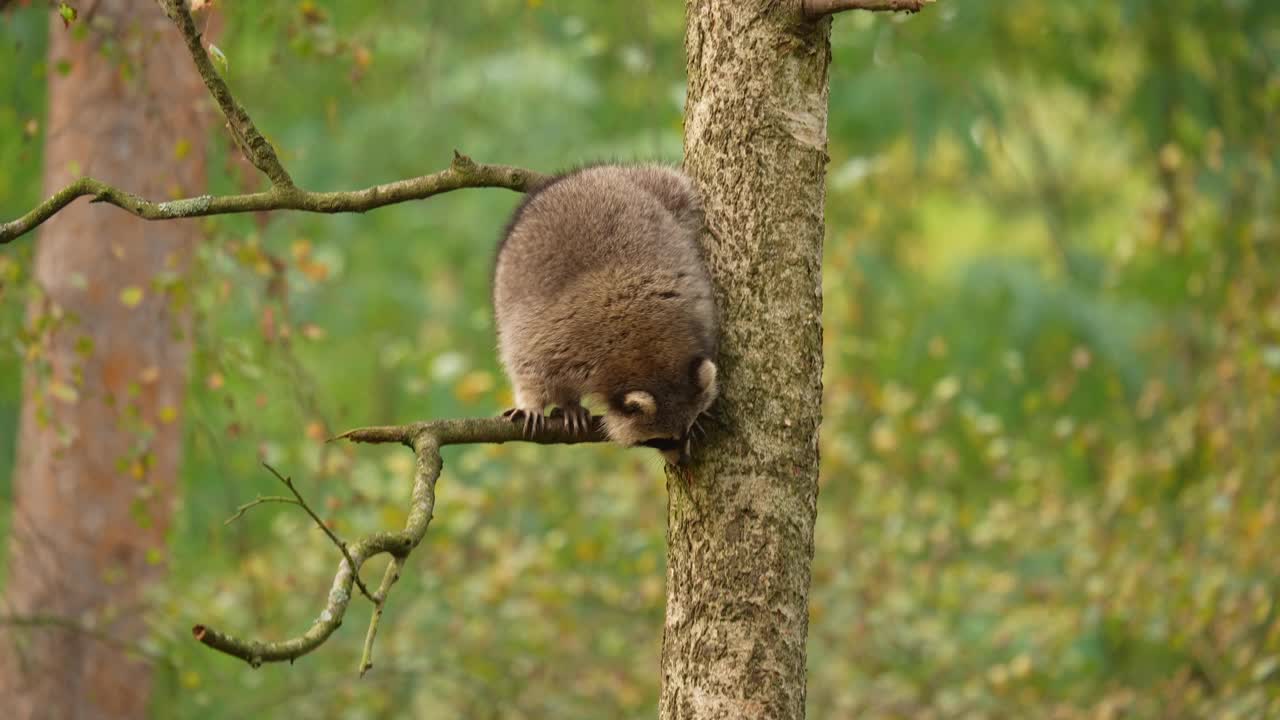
(100, 432)
(740, 526)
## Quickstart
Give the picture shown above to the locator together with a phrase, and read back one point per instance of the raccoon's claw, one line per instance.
(576, 418)
(533, 420)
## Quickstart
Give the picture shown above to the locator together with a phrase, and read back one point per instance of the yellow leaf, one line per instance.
(312, 331)
(219, 59)
(131, 296)
(586, 550)
(191, 679)
(316, 272)
(168, 414)
(182, 148)
(473, 385)
(883, 438)
(64, 392)
(362, 56)
(1021, 666)
(67, 13)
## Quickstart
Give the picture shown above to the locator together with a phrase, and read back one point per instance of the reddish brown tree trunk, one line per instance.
(100, 433)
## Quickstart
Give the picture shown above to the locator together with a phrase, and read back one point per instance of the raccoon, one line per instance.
(600, 290)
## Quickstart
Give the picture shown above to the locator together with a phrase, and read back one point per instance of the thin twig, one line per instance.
(388, 579)
(818, 9)
(260, 500)
(72, 625)
(463, 172)
(255, 147)
(342, 545)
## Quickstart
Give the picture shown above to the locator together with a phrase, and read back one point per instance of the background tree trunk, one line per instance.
(100, 433)
(740, 527)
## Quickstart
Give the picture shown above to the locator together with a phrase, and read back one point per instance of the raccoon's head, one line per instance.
(662, 416)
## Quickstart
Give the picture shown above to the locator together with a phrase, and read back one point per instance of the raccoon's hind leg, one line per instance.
(530, 403)
(576, 417)
(533, 420)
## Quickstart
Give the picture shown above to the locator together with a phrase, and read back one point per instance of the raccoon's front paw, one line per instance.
(533, 420)
(576, 418)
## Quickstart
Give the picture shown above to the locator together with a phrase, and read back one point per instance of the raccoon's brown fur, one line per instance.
(600, 290)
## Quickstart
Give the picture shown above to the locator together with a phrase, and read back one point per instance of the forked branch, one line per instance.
(337, 541)
(254, 146)
(426, 439)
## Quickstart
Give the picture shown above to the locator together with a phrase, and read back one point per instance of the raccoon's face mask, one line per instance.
(663, 419)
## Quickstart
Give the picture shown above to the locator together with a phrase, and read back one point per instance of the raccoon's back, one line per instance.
(602, 219)
(600, 285)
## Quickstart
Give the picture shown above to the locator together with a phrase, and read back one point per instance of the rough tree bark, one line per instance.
(100, 432)
(740, 525)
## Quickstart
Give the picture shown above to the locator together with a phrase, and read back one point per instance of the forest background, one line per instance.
(1051, 440)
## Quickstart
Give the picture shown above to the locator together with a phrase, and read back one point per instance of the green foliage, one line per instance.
(1053, 362)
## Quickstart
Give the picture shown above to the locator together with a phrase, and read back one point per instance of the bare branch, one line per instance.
(342, 545)
(254, 146)
(463, 172)
(283, 195)
(471, 431)
(818, 9)
(426, 439)
(260, 500)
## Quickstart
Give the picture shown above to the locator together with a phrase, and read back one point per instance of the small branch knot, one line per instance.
(462, 163)
(818, 9)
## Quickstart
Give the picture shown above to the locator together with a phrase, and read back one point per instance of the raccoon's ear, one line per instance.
(704, 374)
(639, 401)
